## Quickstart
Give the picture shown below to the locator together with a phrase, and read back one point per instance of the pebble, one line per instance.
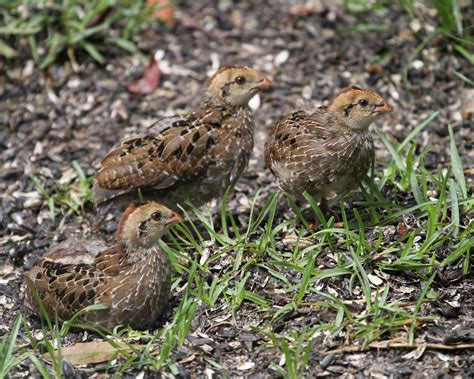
(68, 369)
(396, 79)
(326, 361)
(331, 16)
(52, 96)
(6, 269)
(415, 25)
(467, 104)
(394, 94)
(235, 344)
(205, 254)
(108, 85)
(28, 265)
(38, 149)
(38, 243)
(375, 280)
(307, 92)
(417, 64)
(29, 68)
(281, 58)
(32, 203)
(215, 63)
(74, 82)
(7, 291)
(17, 218)
(247, 365)
(207, 348)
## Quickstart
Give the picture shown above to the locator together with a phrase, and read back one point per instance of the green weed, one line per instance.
(53, 27)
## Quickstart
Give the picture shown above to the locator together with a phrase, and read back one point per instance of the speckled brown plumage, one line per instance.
(196, 156)
(329, 150)
(131, 278)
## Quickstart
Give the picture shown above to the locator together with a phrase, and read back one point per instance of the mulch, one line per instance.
(52, 118)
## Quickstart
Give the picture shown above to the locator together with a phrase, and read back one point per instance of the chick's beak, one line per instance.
(384, 107)
(174, 219)
(262, 83)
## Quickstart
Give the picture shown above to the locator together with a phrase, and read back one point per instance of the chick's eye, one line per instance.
(156, 216)
(363, 102)
(240, 80)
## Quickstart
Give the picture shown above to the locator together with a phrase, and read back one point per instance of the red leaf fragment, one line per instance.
(148, 82)
(163, 10)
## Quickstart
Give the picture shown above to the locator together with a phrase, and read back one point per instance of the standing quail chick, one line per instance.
(132, 278)
(329, 150)
(196, 155)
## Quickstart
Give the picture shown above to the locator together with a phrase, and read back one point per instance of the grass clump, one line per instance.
(10, 356)
(70, 198)
(52, 27)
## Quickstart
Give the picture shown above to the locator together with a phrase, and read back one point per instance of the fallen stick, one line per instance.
(399, 345)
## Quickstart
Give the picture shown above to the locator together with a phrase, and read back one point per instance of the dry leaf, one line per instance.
(375, 280)
(415, 354)
(84, 353)
(148, 82)
(291, 241)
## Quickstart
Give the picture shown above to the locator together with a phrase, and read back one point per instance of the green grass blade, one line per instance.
(456, 164)
(455, 214)
(417, 130)
(395, 154)
(7, 347)
(93, 52)
(305, 279)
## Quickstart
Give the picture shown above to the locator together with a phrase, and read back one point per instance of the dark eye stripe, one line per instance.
(348, 109)
(142, 228)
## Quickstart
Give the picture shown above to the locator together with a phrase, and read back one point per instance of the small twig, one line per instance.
(213, 326)
(399, 345)
(72, 58)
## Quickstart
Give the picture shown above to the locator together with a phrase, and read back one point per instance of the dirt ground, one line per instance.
(49, 119)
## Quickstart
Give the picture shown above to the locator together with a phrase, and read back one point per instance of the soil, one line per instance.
(51, 118)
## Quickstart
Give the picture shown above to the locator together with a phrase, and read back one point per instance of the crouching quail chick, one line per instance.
(195, 156)
(132, 279)
(329, 150)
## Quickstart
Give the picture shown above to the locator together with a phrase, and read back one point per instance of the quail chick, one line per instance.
(195, 156)
(132, 278)
(329, 150)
